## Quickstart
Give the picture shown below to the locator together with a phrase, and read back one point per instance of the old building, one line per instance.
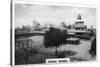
(79, 24)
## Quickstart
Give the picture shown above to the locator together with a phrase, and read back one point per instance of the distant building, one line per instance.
(26, 29)
(79, 24)
(79, 30)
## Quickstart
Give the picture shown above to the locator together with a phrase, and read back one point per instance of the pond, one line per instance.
(42, 53)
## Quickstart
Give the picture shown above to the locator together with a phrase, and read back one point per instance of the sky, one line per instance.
(25, 14)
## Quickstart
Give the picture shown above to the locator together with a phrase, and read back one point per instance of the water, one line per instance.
(81, 49)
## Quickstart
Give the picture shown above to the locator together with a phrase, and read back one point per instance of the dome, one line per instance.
(79, 17)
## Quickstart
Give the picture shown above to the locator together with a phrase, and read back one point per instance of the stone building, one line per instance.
(79, 24)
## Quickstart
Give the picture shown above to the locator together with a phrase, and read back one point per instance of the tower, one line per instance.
(79, 17)
(79, 24)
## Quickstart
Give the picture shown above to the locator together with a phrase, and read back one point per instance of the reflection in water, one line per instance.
(37, 53)
(81, 49)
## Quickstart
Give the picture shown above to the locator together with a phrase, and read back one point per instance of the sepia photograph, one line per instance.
(48, 33)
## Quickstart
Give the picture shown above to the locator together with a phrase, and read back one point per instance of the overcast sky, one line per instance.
(26, 13)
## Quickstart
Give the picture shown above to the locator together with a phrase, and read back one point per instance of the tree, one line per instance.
(36, 23)
(54, 38)
(69, 27)
(63, 24)
(93, 47)
(26, 29)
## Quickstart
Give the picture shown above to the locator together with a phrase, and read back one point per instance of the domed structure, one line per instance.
(79, 24)
(79, 17)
